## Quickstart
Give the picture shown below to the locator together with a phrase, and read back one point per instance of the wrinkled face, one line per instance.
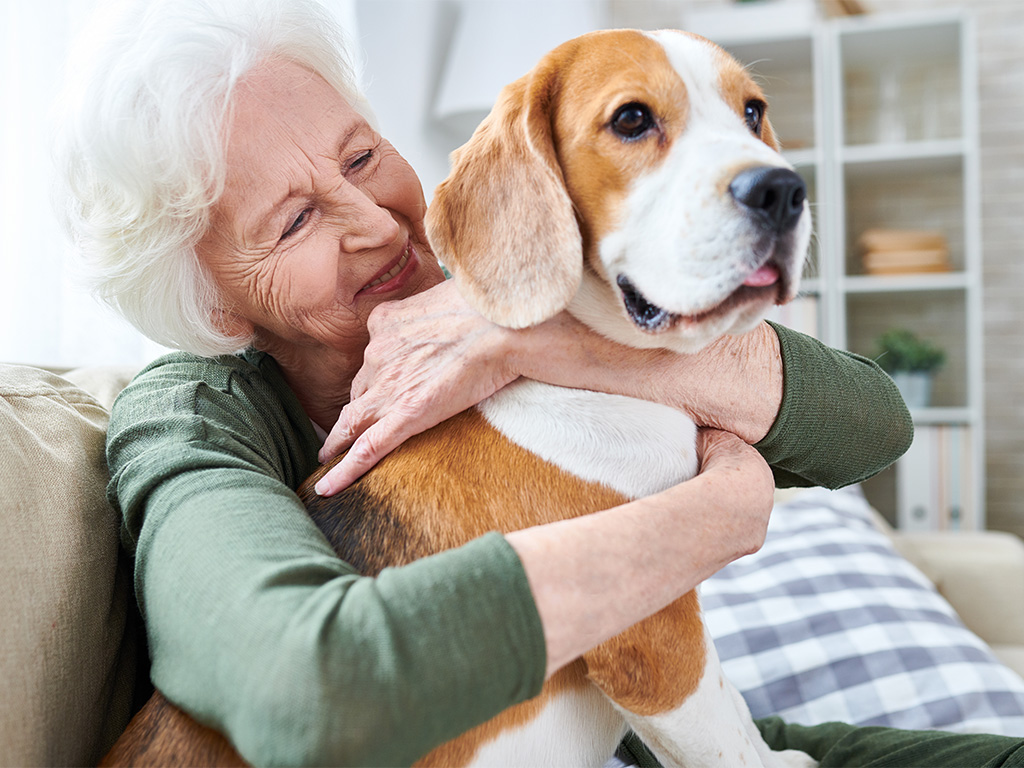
(693, 225)
(320, 219)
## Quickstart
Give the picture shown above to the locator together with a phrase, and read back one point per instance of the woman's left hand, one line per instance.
(430, 357)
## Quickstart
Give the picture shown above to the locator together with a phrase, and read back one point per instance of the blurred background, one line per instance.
(902, 115)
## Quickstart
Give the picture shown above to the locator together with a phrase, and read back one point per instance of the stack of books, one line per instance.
(903, 251)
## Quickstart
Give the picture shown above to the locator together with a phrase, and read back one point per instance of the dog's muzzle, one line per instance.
(773, 199)
(646, 316)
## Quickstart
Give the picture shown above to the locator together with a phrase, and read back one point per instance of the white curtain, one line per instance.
(46, 317)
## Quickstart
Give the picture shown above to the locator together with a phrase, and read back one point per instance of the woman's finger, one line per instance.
(344, 432)
(369, 448)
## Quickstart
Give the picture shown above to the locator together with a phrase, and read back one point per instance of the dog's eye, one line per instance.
(631, 121)
(753, 113)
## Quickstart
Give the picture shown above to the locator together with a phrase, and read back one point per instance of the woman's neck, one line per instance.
(321, 380)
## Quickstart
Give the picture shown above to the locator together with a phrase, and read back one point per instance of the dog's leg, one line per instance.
(711, 728)
(680, 704)
(569, 724)
(789, 758)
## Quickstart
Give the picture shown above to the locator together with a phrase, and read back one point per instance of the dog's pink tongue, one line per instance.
(766, 275)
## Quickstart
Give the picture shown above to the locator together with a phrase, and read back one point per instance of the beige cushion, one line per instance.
(103, 382)
(67, 650)
(980, 572)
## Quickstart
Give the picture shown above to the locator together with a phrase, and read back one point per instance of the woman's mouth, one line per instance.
(393, 272)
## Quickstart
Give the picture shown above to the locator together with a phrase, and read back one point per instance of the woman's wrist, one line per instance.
(734, 384)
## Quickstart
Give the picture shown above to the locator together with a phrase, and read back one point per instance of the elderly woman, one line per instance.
(234, 200)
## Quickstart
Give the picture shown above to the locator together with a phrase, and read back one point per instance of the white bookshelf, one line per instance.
(878, 114)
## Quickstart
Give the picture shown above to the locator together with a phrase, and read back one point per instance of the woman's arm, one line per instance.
(819, 416)
(593, 577)
(258, 629)
(839, 744)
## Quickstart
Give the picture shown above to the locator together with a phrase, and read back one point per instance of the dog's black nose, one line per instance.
(775, 195)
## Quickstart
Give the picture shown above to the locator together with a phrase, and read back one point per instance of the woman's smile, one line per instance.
(394, 275)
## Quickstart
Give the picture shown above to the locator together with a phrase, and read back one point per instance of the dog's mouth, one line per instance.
(645, 315)
(765, 283)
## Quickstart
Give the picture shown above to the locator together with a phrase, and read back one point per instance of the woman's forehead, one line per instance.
(287, 98)
(288, 125)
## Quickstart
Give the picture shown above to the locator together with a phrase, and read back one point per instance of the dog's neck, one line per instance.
(632, 446)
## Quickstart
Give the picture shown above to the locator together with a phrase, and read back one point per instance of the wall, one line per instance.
(1000, 27)
(404, 43)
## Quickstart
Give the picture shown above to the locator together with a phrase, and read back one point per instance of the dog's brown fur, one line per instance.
(162, 735)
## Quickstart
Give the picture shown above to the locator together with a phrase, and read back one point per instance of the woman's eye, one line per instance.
(631, 121)
(362, 160)
(296, 225)
(753, 113)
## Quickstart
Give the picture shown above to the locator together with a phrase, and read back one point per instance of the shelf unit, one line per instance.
(878, 114)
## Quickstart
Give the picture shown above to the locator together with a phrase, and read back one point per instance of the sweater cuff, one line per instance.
(523, 640)
(841, 419)
(771, 446)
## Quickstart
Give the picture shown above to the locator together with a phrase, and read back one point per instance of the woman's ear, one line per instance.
(502, 222)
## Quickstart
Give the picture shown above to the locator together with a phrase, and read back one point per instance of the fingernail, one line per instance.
(322, 488)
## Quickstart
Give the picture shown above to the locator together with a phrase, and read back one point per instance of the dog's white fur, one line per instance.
(601, 438)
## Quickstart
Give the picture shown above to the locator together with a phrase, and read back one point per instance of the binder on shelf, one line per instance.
(933, 481)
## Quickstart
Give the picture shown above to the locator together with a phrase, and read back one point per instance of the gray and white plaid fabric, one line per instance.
(828, 622)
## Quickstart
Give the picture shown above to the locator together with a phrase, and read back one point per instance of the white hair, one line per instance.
(140, 147)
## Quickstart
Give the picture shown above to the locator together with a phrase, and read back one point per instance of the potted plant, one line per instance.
(911, 361)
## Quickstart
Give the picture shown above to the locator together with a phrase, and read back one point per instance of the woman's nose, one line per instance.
(363, 223)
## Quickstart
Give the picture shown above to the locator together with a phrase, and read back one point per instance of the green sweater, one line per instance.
(258, 629)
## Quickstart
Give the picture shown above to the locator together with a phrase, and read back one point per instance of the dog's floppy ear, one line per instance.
(502, 222)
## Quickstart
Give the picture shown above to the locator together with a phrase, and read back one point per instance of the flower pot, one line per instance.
(915, 386)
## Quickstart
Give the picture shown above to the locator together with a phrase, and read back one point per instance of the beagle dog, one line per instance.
(633, 179)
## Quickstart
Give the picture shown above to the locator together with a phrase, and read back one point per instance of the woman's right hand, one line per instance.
(430, 357)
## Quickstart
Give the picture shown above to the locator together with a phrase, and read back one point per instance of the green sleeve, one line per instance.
(256, 627)
(842, 419)
(836, 745)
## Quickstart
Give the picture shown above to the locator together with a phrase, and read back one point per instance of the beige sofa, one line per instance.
(981, 574)
(70, 647)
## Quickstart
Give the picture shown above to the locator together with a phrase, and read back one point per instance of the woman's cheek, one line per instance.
(315, 273)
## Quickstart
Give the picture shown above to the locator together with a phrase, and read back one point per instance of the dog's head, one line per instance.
(635, 179)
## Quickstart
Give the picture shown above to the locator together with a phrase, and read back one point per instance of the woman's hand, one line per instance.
(742, 481)
(430, 357)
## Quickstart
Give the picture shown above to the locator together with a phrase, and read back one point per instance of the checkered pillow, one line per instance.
(827, 622)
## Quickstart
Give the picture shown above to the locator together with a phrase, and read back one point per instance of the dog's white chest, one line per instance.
(632, 446)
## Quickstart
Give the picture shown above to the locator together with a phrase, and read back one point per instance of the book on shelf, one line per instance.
(934, 480)
(903, 251)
